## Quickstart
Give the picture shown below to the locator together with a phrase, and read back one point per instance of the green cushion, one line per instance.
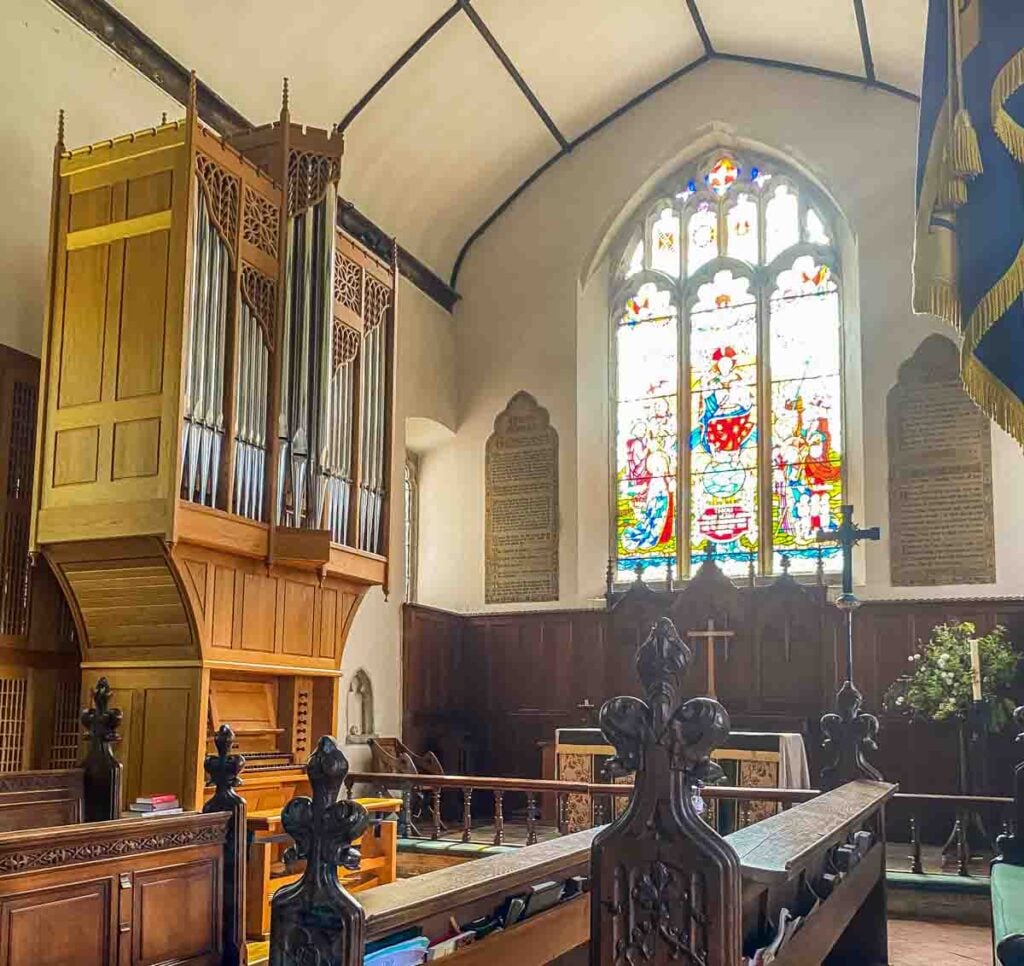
(474, 850)
(957, 884)
(1007, 899)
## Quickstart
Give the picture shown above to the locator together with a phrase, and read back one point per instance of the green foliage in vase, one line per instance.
(938, 685)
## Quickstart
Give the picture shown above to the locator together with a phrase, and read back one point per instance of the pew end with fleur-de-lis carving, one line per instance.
(665, 887)
(224, 769)
(848, 734)
(101, 771)
(314, 920)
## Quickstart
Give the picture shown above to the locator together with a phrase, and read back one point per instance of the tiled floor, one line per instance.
(915, 943)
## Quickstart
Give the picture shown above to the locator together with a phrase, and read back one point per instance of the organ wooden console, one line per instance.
(214, 439)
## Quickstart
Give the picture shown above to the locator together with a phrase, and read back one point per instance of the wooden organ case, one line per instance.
(214, 440)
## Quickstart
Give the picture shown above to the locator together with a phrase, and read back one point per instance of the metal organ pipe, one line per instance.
(203, 432)
(251, 396)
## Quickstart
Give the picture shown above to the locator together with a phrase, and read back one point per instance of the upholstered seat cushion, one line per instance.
(474, 850)
(1008, 912)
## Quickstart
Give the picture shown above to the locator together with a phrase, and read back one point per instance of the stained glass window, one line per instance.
(728, 338)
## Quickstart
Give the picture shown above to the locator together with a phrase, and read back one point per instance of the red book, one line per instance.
(155, 799)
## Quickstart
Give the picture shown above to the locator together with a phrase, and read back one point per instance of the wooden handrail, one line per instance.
(790, 796)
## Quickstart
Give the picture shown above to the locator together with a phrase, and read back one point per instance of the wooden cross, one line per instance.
(711, 635)
(848, 536)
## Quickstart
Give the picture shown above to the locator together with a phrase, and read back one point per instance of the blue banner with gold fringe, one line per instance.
(969, 251)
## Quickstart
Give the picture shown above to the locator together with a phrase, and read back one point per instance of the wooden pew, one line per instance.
(664, 886)
(129, 891)
(91, 792)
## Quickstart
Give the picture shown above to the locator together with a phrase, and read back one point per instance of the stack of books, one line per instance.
(146, 806)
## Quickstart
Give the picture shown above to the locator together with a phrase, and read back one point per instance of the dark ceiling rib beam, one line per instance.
(865, 40)
(592, 130)
(821, 72)
(118, 33)
(642, 96)
(698, 22)
(413, 50)
(520, 82)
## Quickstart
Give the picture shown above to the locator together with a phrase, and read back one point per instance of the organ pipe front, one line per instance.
(214, 438)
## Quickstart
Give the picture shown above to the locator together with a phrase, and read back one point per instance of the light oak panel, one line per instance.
(136, 449)
(143, 307)
(76, 456)
(82, 331)
(299, 602)
(90, 208)
(259, 613)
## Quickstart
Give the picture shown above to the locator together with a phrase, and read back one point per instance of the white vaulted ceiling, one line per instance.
(497, 88)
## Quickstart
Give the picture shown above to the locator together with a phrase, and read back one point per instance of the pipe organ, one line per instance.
(214, 439)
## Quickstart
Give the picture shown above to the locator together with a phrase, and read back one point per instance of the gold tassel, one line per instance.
(965, 154)
(941, 299)
(1008, 81)
(992, 396)
(952, 188)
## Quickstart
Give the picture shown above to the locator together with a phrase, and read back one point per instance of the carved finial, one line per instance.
(785, 564)
(101, 798)
(609, 580)
(638, 569)
(284, 98)
(819, 572)
(751, 572)
(60, 129)
(101, 720)
(709, 551)
(669, 577)
(193, 94)
(848, 734)
(314, 919)
(224, 767)
(163, 118)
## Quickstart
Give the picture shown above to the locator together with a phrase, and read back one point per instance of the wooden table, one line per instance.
(266, 871)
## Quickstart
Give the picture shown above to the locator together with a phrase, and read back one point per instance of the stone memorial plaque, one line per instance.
(521, 525)
(940, 475)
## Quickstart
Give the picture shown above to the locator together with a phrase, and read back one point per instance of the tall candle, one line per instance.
(975, 670)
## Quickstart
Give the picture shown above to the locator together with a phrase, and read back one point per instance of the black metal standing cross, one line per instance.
(848, 535)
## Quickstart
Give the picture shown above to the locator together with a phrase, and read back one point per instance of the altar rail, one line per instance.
(970, 816)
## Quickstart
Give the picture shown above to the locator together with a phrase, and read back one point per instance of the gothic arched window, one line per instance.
(728, 374)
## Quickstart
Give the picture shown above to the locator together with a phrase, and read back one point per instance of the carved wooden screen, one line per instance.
(12, 722)
(65, 738)
(19, 390)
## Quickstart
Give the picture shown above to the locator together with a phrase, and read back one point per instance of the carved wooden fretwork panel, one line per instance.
(64, 740)
(348, 283)
(13, 692)
(260, 222)
(378, 298)
(260, 294)
(345, 345)
(221, 190)
(309, 175)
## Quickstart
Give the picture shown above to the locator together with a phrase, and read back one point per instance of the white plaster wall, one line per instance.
(425, 389)
(51, 63)
(534, 313)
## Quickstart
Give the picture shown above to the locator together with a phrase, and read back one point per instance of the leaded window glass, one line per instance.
(728, 375)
